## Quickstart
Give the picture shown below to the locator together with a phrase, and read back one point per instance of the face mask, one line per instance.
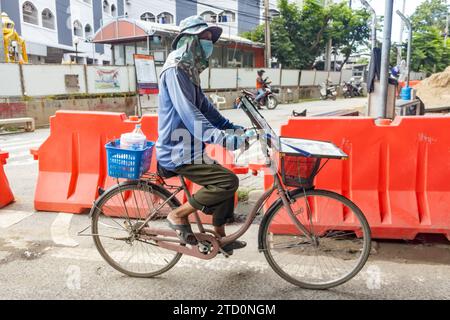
(207, 47)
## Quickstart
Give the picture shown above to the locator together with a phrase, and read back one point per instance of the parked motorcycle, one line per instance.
(328, 91)
(352, 88)
(348, 90)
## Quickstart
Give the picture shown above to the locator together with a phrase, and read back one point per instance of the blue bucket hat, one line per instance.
(195, 25)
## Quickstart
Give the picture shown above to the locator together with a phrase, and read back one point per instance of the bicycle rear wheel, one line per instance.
(339, 247)
(115, 219)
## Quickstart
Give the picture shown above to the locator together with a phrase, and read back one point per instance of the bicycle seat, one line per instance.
(164, 173)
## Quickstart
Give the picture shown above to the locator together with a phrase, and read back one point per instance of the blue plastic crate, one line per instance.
(128, 164)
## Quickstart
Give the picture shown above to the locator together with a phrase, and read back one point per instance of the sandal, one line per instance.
(184, 233)
(229, 248)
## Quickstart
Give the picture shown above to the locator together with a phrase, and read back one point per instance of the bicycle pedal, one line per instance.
(225, 254)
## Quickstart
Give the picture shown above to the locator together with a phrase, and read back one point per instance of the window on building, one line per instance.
(248, 60)
(147, 16)
(88, 30)
(113, 10)
(209, 16)
(48, 19)
(274, 13)
(227, 16)
(106, 7)
(30, 13)
(77, 28)
(216, 59)
(165, 18)
(234, 58)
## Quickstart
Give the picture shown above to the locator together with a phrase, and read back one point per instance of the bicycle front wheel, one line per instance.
(336, 250)
(116, 218)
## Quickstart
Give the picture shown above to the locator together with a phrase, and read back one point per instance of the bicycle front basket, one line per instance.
(298, 171)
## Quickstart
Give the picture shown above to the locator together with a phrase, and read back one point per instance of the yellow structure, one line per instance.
(15, 48)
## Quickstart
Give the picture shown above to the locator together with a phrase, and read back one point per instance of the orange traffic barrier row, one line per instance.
(72, 161)
(6, 195)
(397, 173)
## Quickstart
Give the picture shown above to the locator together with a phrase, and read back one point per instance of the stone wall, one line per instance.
(42, 108)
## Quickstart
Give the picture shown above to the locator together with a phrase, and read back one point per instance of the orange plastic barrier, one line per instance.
(402, 84)
(398, 174)
(72, 161)
(6, 195)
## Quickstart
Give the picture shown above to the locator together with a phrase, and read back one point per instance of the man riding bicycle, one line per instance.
(187, 121)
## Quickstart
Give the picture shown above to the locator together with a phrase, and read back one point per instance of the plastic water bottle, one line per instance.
(135, 140)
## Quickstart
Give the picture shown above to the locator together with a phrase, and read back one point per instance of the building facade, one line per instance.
(62, 30)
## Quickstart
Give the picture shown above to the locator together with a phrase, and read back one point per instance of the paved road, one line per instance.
(41, 255)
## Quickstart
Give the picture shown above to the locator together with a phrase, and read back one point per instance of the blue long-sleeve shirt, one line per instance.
(186, 121)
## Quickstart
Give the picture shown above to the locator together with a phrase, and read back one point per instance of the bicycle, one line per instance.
(315, 239)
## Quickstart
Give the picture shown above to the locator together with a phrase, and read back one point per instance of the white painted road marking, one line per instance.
(26, 162)
(60, 230)
(27, 146)
(19, 150)
(21, 142)
(11, 217)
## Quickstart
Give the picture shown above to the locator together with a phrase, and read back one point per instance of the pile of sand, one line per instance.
(435, 90)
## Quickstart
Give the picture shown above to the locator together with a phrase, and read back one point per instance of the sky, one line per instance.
(378, 5)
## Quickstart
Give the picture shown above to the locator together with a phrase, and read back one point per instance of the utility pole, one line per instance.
(402, 29)
(408, 57)
(381, 110)
(267, 34)
(328, 48)
(2, 44)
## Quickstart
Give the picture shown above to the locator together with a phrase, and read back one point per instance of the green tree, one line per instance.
(348, 29)
(430, 13)
(299, 35)
(429, 54)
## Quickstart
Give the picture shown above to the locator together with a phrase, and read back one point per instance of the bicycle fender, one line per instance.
(125, 183)
(102, 193)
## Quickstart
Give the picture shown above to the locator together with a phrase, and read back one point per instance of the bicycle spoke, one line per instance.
(124, 211)
(333, 255)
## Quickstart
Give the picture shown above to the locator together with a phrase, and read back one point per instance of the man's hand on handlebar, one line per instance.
(240, 138)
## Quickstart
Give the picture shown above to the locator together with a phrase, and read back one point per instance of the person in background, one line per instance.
(260, 85)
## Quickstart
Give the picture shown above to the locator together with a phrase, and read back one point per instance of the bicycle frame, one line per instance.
(214, 239)
(217, 240)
